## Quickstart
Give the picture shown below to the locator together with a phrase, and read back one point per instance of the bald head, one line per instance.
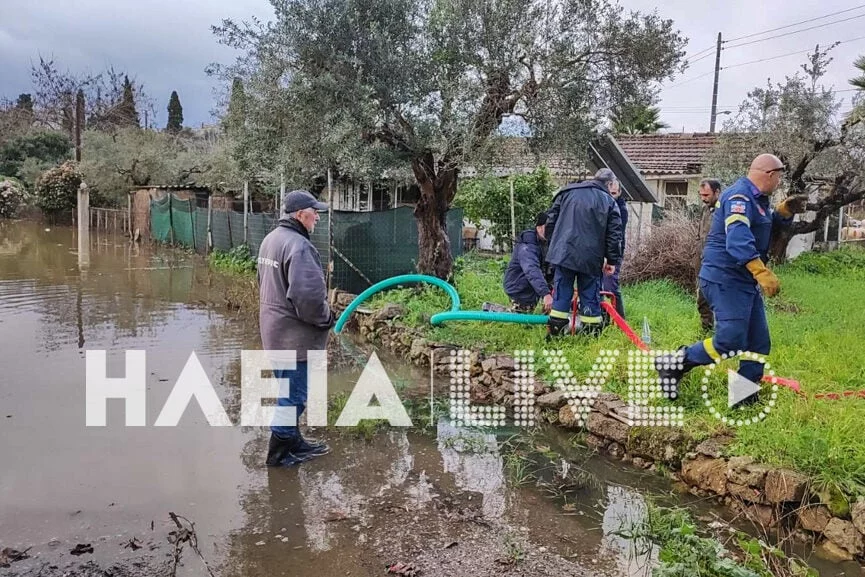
(766, 172)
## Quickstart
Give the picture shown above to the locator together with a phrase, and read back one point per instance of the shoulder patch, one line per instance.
(742, 196)
(738, 207)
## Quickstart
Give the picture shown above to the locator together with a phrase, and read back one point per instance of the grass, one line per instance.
(683, 551)
(817, 326)
(238, 261)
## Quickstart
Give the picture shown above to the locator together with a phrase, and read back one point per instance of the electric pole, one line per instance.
(715, 87)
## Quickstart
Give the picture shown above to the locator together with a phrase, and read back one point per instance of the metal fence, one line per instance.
(367, 246)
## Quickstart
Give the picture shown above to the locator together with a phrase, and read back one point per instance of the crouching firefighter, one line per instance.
(584, 228)
(734, 277)
(525, 282)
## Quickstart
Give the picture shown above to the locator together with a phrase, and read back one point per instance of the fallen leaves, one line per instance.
(403, 569)
(9, 556)
(81, 549)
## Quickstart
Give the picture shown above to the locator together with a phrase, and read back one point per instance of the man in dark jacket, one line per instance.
(524, 281)
(584, 229)
(294, 315)
(710, 191)
(611, 281)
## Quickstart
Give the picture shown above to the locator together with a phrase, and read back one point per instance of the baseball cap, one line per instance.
(299, 200)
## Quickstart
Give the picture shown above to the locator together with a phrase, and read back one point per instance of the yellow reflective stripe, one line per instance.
(717, 204)
(710, 350)
(591, 320)
(558, 314)
(739, 196)
(736, 218)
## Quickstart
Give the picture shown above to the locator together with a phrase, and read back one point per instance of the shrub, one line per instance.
(237, 261)
(670, 252)
(57, 189)
(11, 196)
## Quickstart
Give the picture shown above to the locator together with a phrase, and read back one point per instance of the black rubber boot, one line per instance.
(557, 327)
(671, 369)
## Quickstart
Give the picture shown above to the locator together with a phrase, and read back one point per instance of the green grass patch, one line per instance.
(238, 261)
(817, 325)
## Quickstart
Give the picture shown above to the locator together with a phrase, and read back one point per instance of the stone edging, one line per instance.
(769, 496)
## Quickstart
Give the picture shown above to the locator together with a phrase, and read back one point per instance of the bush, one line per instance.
(670, 252)
(57, 189)
(847, 261)
(489, 198)
(11, 196)
(237, 261)
(42, 146)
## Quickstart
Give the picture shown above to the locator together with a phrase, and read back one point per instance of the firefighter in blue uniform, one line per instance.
(734, 276)
(584, 229)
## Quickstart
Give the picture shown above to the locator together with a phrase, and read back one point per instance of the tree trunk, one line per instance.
(437, 190)
(781, 237)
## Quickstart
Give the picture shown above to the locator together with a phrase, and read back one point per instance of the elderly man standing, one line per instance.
(710, 190)
(294, 316)
(584, 229)
(734, 276)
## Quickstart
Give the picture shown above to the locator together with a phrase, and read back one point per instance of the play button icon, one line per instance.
(739, 388)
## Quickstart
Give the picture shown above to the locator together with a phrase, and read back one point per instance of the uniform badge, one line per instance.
(738, 207)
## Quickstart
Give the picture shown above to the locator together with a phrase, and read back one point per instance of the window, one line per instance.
(675, 194)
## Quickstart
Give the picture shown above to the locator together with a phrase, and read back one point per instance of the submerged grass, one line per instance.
(817, 326)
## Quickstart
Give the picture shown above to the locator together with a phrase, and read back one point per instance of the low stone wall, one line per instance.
(768, 496)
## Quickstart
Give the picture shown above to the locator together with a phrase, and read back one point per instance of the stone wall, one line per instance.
(769, 496)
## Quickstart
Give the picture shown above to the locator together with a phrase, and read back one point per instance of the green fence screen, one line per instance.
(367, 246)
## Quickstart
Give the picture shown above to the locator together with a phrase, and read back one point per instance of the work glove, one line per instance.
(764, 277)
(791, 205)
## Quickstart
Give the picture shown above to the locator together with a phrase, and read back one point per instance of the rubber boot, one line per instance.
(556, 327)
(671, 369)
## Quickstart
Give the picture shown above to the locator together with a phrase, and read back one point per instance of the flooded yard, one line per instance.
(444, 503)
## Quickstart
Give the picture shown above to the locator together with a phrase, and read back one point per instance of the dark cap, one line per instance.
(299, 200)
(541, 219)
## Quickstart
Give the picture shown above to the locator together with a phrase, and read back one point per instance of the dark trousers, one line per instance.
(292, 393)
(707, 318)
(611, 285)
(740, 325)
(588, 289)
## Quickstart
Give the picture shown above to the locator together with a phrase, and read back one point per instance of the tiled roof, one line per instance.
(659, 154)
(512, 155)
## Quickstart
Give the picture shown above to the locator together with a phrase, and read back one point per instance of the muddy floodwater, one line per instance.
(443, 502)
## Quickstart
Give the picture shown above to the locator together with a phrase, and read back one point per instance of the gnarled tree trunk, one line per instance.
(438, 185)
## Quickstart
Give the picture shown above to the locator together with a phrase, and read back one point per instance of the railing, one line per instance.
(114, 220)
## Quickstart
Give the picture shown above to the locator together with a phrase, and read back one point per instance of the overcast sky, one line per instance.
(167, 44)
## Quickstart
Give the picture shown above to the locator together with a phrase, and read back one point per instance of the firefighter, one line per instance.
(734, 277)
(584, 229)
(710, 191)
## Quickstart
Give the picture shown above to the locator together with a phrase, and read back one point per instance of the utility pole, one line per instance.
(715, 87)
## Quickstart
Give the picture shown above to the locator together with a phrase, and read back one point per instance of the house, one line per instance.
(671, 164)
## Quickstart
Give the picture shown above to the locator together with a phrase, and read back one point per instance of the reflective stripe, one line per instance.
(710, 350)
(591, 320)
(558, 314)
(736, 218)
(717, 204)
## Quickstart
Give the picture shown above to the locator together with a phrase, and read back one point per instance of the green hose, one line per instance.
(397, 280)
(498, 317)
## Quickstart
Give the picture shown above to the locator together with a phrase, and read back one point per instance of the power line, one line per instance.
(795, 32)
(692, 79)
(795, 24)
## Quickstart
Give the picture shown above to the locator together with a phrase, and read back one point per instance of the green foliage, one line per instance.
(175, 114)
(637, 119)
(126, 111)
(57, 189)
(488, 198)
(238, 261)
(848, 262)
(45, 147)
(11, 196)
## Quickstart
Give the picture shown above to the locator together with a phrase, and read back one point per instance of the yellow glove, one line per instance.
(791, 205)
(764, 277)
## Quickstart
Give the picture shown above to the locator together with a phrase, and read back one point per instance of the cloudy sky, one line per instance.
(166, 45)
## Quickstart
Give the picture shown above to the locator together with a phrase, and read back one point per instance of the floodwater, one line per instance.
(402, 497)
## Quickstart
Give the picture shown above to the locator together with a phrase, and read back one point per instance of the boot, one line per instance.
(556, 327)
(671, 369)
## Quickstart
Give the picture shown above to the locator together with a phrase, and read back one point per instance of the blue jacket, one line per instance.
(524, 278)
(584, 226)
(740, 232)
